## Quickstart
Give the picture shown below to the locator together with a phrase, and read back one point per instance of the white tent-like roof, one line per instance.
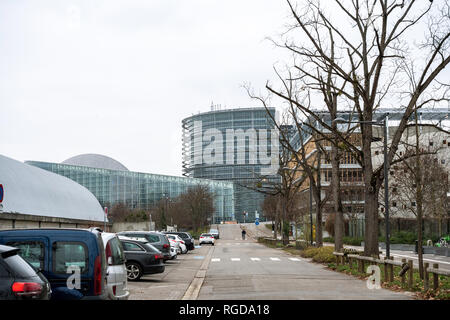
(34, 191)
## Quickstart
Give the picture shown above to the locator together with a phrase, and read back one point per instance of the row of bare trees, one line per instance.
(360, 56)
(191, 210)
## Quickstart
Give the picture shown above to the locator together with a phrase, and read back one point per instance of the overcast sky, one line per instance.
(116, 77)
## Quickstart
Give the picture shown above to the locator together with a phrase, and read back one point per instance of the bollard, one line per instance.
(403, 274)
(386, 270)
(410, 274)
(391, 273)
(435, 277)
(426, 283)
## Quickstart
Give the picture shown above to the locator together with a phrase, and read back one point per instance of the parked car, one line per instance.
(179, 241)
(60, 253)
(206, 238)
(214, 233)
(174, 244)
(142, 258)
(187, 238)
(173, 253)
(157, 239)
(117, 270)
(19, 280)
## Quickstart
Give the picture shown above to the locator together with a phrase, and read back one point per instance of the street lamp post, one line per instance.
(382, 122)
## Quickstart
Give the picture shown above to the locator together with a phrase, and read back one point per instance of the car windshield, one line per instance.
(206, 235)
(213, 231)
(184, 236)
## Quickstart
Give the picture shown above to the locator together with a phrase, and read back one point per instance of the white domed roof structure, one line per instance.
(95, 161)
(34, 191)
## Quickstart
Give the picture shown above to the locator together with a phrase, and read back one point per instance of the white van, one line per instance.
(117, 281)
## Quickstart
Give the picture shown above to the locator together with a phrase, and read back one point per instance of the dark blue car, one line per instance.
(60, 254)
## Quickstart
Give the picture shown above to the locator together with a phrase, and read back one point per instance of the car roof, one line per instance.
(108, 236)
(4, 248)
(143, 232)
(132, 240)
(7, 251)
(59, 230)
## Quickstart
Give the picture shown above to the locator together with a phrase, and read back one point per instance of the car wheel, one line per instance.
(134, 271)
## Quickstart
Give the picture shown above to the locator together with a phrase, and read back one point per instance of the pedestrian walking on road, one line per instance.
(243, 234)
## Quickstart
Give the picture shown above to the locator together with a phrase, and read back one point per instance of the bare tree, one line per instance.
(364, 45)
(119, 212)
(199, 205)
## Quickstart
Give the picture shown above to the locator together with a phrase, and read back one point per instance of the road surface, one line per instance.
(247, 270)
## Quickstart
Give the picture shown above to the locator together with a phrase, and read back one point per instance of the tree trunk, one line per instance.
(336, 190)
(371, 222)
(371, 188)
(419, 202)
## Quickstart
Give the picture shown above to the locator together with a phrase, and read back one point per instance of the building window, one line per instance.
(413, 204)
(431, 143)
(394, 204)
(442, 161)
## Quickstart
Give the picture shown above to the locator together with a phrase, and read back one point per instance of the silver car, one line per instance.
(117, 281)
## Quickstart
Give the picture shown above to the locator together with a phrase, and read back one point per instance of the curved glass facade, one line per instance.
(141, 190)
(235, 145)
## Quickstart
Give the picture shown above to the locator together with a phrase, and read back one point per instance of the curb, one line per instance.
(196, 284)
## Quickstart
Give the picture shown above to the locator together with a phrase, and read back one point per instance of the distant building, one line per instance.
(351, 174)
(36, 198)
(237, 145)
(112, 183)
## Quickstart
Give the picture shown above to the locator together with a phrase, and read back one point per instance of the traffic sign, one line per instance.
(1, 193)
(257, 222)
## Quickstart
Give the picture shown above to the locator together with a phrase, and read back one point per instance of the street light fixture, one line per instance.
(382, 122)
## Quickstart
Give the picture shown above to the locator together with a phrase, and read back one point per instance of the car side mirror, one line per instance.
(110, 261)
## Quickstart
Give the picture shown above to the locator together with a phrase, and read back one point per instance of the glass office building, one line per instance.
(238, 145)
(112, 183)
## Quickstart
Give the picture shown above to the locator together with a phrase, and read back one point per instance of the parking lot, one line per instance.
(173, 282)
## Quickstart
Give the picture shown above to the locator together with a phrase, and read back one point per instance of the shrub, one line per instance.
(309, 252)
(322, 254)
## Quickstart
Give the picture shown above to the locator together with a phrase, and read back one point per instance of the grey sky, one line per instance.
(116, 77)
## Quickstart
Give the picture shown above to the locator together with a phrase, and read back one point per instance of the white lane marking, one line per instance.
(294, 259)
(235, 259)
(215, 260)
(255, 259)
(274, 259)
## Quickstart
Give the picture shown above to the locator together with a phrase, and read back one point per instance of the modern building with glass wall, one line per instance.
(238, 145)
(112, 183)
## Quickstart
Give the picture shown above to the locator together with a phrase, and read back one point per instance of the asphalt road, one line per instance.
(247, 270)
(236, 269)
